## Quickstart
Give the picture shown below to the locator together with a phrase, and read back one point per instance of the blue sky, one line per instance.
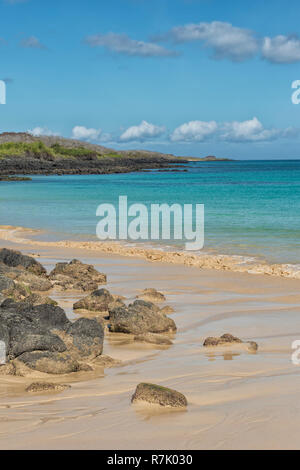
(190, 77)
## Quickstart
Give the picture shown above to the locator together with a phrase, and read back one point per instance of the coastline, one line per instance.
(233, 263)
(235, 399)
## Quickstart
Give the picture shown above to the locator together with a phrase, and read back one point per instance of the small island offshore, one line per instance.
(24, 154)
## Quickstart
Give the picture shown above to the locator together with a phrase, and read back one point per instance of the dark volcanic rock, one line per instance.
(76, 275)
(50, 362)
(16, 258)
(35, 342)
(42, 338)
(88, 336)
(155, 394)
(139, 318)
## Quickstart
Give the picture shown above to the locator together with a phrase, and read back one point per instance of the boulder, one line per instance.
(87, 336)
(14, 259)
(139, 318)
(43, 339)
(34, 282)
(151, 295)
(100, 301)
(228, 339)
(46, 387)
(50, 362)
(77, 276)
(156, 394)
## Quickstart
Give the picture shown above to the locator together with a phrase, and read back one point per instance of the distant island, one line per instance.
(24, 154)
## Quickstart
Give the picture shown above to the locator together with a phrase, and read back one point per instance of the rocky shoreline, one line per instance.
(41, 342)
(24, 154)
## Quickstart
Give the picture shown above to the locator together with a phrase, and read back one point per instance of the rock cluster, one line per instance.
(76, 276)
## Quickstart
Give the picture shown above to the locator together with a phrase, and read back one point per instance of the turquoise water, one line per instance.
(251, 208)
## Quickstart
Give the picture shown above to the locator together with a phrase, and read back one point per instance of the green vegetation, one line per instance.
(18, 149)
(111, 155)
(39, 149)
(76, 152)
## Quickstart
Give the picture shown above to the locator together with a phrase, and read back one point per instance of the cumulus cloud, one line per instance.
(281, 49)
(250, 131)
(123, 44)
(142, 132)
(39, 131)
(32, 42)
(226, 41)
(84, 133)
(194, 131)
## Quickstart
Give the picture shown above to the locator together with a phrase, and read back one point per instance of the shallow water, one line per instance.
(251, 207)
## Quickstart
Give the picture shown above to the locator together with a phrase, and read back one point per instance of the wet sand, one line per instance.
(237, 399)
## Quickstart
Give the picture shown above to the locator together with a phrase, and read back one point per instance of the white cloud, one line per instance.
(249, 131)
(32, 42)
(142, 132)
(39, 131)
(193, 131)
(226, 40)
(122, 44)
(281, 49)
(83, 133)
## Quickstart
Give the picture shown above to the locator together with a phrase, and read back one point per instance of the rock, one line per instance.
(107, 361)
(6, 284)
(17, 259)
(17, 292)
(77, 276)
(34, 282)
(31, 300)
(139, 318)
(43, 339)
(252, 346)
(167, 310)
(35, 342)
(228, 339)
(151, 295)
(37, 299)
(46, 387)
(100, 301)
(155, 394)
(50, 362)
(87, 336)
(153, 339)
(8, 369)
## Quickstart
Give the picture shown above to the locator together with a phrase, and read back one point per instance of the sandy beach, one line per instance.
(236, 399)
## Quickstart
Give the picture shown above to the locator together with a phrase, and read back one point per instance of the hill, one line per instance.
(22, 153)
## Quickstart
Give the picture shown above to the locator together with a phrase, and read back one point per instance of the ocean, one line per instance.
(251, 207)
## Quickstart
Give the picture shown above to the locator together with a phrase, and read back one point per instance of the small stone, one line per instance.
(156, 394)
(151, 295)
(46, 387)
